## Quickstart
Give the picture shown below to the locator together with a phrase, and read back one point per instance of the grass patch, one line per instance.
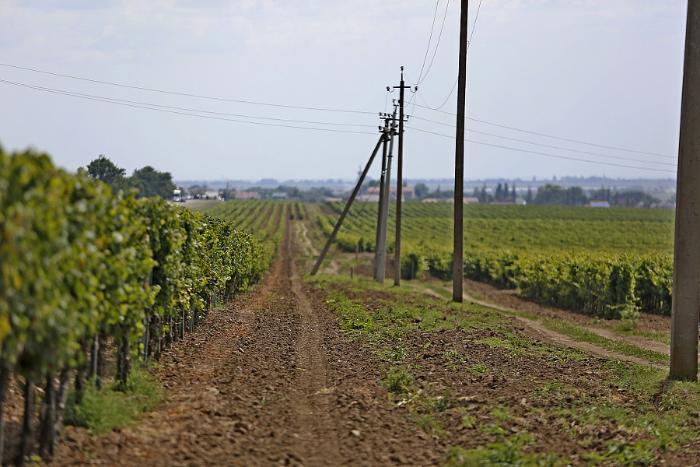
(625, 348)
(399, 380)
(469, 422)
(509, 452)
(478, 369)
(429, 424)
(103, 410)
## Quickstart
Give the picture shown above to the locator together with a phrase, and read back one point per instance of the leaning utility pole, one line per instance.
(353, 195)
(382, 188)
(686, 263)
(399, 183)
(381, 245)
(458, 254)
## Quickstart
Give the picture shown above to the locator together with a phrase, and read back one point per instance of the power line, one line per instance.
(183, 113)
(547, 135)
(189, 114)
(469, 43)
(415, 104)
(185, 94)
(570, 140)
(437, 45)
(184, 109)
(549, 146)
(555, 156)
(476, 20)
(430, 39)
(444, 103)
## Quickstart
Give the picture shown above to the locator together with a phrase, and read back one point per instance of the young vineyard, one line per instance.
(85, 272)
(606, 262)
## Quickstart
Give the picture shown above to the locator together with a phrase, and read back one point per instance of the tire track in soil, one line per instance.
(546, 334)
(270, 380)
(310, 394)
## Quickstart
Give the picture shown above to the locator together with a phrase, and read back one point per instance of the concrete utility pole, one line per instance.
(353, 195)
(458, 255)
(399, 183)
(686, 264)
(381, 245)
(382, 188)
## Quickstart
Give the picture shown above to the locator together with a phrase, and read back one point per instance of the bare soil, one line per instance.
(269, 380)
(537, 391)
(508, 299)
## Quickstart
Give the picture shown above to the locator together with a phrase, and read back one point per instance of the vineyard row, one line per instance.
(84, 270)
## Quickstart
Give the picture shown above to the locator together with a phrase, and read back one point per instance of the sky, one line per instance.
(604, 72)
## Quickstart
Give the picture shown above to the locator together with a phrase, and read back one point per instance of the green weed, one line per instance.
(103, 410)
(508, 452)
(399, 381)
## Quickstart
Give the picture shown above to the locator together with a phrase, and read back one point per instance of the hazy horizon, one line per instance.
(606, 73)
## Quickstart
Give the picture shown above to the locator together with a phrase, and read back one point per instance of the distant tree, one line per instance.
(104, 169)
(229, 193)
(575, 196)
(550, 194)
(513, 195)
(499, 192)
(291, 191)
(633, 199)
(421, 190)
(528, 197)
(555, 194)
(505, 194)
(197, 191)
(150, 182)
(483, 195)
(601, 195)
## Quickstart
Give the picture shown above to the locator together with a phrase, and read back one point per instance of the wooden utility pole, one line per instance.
(458, 254)
(686, 264)
(381, 245)
(380, 206)
(348, 204)
(399, 183)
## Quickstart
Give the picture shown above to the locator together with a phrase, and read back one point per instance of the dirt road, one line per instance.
(268, 381)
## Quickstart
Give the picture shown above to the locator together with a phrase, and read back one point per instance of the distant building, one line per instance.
(369, 198)
(279, 195)
(246, 195)
(437, 200)
(466, 200)
(599, 204)
(212, 194)
(372, 193)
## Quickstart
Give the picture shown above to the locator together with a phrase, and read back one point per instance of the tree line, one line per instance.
(146, 182)
(550, 194)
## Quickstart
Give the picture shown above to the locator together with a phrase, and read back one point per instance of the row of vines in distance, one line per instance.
(607, 262)
(81, 267)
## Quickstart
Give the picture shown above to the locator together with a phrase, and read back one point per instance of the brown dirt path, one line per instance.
(310, 250)
(506, 299)
(270, 380)
(543, 333)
